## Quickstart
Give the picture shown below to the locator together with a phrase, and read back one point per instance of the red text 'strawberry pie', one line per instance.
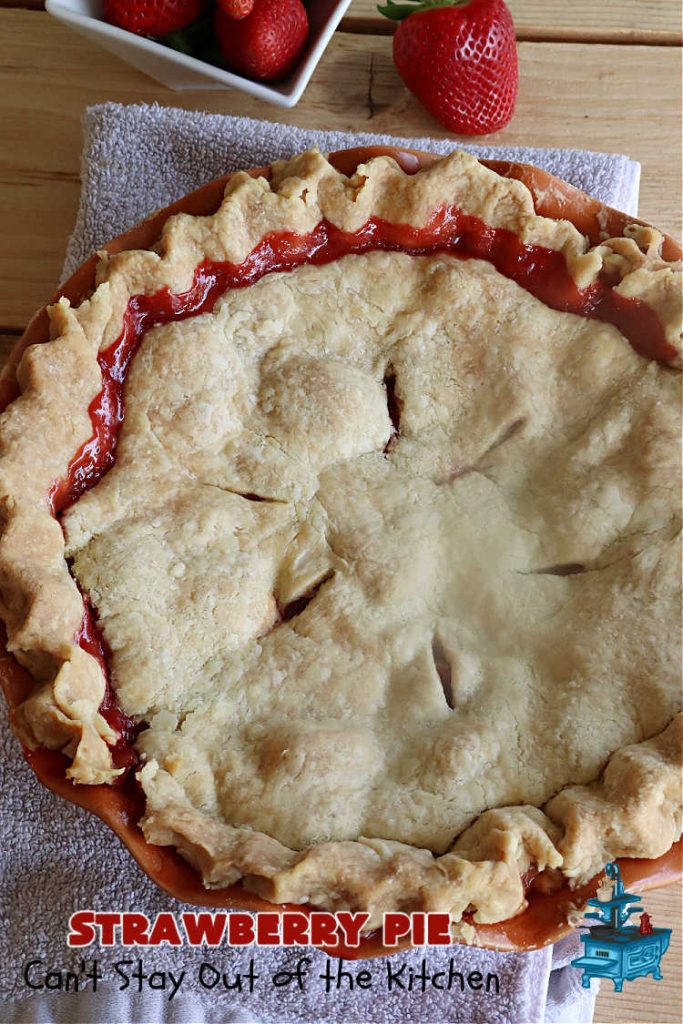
(348, 518)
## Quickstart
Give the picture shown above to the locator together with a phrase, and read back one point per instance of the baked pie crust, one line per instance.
(387, 563)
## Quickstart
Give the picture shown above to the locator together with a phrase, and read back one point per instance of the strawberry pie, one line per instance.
(346, 522)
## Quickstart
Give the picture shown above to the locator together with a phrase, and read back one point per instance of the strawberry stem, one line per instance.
(398, 12)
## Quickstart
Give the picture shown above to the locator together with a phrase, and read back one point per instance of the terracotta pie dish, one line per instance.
(121, 806)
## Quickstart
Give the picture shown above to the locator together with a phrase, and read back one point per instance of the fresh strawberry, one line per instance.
(237, 8)
(268, 43)
(153, 17)
(460, 60)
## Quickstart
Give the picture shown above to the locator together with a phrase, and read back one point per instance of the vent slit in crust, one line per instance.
(566, 569)
(444, 671)
(393, 406)
(250, 495)
(506, 435)
(294, 608)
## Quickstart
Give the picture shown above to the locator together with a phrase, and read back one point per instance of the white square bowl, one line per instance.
(180, 71)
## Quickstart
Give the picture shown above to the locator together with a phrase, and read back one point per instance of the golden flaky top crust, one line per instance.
(387, 562)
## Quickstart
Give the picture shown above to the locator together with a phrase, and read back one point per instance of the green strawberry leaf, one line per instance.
(193, 39)
(179, 41)
(398, 12)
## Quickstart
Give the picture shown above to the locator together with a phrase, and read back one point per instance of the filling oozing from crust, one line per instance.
(377, 549)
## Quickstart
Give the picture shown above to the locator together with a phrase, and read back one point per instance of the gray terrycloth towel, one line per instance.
(139, 158)
(55, 858)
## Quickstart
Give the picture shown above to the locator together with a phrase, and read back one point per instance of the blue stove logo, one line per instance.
(613, 949)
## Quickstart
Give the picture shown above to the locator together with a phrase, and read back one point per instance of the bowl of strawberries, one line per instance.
(268, 48)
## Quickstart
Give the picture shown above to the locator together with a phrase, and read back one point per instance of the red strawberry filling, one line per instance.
(90, 638)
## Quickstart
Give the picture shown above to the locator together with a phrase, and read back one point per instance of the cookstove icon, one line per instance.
(613, 949)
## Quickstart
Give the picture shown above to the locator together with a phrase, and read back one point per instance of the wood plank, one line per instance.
(619, 99)
(609, 21)
(656, 21)
(646, 1001)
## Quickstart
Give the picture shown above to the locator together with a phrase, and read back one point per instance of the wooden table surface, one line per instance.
(602, 76)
